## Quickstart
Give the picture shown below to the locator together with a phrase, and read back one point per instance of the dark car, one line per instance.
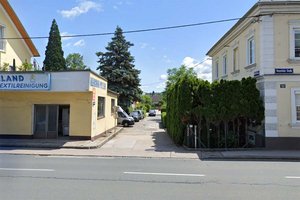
(135, 115)
(152, 113)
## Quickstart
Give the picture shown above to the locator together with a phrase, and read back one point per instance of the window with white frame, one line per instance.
(251, 51)
(235, 59)
(295, 43)
(217, 69)
(295, 106)
(2, 41)
(224, 64)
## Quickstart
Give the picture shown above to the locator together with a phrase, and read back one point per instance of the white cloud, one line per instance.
(163, 77)
(64, 34)
(83, 7)
(202, 68)
(79, 43)
(67, 45)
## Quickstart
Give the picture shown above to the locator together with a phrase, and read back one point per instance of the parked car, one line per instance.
(152, 113)
(136, 116)
(124, 118)
(141, 113)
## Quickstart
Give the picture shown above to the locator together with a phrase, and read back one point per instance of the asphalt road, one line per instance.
(40, 177)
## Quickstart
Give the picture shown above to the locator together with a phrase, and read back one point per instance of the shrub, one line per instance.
(164, 119)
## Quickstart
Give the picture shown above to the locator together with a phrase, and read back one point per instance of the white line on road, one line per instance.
(23, 169)
(292, 177)
(163, 174)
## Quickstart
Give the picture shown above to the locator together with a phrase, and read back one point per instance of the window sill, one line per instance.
(98, 118)
(250, 66)
(295, 125)
(224, 76)
(235, 72)
(293, 60)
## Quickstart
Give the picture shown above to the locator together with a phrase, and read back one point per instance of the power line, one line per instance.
(140, 30)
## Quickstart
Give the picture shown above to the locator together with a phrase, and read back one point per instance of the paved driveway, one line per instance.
(147, 139)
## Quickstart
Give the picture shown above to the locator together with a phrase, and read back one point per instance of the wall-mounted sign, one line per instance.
(25, 81)
(284, 70)
(97, 83)
(256, 73)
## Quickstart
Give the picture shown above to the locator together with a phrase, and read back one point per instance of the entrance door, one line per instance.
(40, 120)
(45, 121)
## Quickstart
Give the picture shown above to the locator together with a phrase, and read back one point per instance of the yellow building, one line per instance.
(75, 104)
(265, 43)
(14, 51)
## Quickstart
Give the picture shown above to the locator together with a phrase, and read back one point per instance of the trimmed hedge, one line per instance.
(164, 119)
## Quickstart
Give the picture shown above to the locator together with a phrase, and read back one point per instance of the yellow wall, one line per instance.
(16, 111)
(15, 49)
(101, 125)
(282, 42)
(239, 41)
(284, 110)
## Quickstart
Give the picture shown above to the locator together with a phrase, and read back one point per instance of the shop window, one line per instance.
(112, 108)
(101, 107)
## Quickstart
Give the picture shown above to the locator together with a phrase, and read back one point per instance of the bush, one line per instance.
(164, 119)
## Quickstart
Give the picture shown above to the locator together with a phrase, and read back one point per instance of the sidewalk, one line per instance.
(252, 155)
(60, 143)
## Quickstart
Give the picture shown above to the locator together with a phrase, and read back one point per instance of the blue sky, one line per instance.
(154, 52)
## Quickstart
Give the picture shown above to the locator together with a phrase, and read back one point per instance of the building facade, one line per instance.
(265, 43)
(14, 51)
(74, 104)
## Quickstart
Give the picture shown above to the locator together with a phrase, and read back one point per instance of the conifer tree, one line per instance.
(117, 66)
(54, 55)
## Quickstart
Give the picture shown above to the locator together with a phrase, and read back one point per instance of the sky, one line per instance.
(154, 52)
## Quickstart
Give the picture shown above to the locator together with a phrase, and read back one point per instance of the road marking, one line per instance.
(76, 157)
(292, 177)
(163, 174)
(24, 169)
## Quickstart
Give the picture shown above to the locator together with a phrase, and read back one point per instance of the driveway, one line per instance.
(146, 138)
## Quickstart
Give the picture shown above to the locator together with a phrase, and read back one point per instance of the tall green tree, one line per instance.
(117, 66)
(54, 55)
(74, 61)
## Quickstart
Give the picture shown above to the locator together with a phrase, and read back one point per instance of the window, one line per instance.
(296, 43)
(297, 107)
(2, 41)
(217, 69)
(251, 51)
(225, 65)
(101, 107)
(112, 104)
(235, 59)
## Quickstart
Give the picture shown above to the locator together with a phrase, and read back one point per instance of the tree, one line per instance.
(26, 67)
(74, 61)
(174, 74)
(117, 66)
(54, 55)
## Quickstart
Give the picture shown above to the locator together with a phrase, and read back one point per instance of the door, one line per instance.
(65, 121)
(52, 125)
(45, 121)
(40, 120)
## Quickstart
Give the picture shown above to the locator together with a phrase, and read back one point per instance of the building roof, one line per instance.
(14, 18)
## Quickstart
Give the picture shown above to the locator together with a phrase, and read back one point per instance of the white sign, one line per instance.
(24, 81)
